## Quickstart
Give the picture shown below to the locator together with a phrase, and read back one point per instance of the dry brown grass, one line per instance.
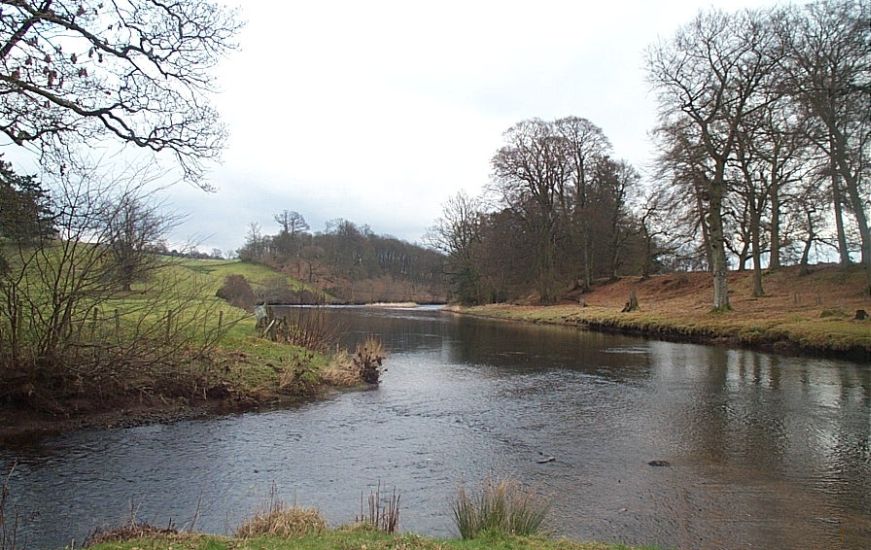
(341, 372)
(791, 314)
(285, 521)
(133, 529)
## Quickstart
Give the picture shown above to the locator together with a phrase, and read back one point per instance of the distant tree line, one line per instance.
(763, 139)
(341, 255)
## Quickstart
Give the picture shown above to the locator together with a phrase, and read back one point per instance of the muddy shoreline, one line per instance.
(21, 426)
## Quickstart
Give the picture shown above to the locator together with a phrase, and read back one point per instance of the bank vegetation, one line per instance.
(96, 325)
(498, 514)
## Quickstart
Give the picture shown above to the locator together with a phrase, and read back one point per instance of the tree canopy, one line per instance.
(131, 70)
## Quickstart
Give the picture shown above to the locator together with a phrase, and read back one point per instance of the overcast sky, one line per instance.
(377, 112)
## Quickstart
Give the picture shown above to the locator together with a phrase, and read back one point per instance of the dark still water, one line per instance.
(765, 451)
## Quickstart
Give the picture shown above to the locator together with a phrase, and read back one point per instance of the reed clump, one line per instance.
(368, 357)
(503, 507)
(383, 511)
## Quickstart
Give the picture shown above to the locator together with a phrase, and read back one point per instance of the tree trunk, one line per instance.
(774, 194)
(706, 232)
(755, 237)
(757, 261)
(861, 220)
(718, 248)
(615, 254)
(588, 261)
(647, 266)
(811, 235)
(839, 216)
(546, 267)
(743, 255)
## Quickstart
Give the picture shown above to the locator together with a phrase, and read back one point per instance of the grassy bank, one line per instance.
(500, 514)
(810, 314)
(350, 539)
(172, 349)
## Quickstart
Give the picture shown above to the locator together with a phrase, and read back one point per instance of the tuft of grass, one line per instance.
(133, 530)
(368, 357)
(502, 507)
(280, 520)
(383, 512)
(341, 371)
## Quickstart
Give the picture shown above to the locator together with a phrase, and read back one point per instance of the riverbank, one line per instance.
(240, 382)
(352, 540)
(218, 363)
(811, 314)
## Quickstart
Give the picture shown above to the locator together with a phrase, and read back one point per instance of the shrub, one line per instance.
(504, 507)
(237, 291)
(299, 379)
(304, 327)
(276, 291)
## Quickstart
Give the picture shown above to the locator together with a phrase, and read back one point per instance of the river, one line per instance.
(764, 451)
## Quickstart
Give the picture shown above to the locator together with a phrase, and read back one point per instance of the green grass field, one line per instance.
(167, 342)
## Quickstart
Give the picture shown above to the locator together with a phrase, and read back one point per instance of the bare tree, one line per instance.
(684, 167)
(771, 153)
(291, 222)
(529, 172)
(618, 179)
(828, 68)
(708, 75)
(135, 71)
(654, 224)
(458, 234)
(136, 225)
(585, 144)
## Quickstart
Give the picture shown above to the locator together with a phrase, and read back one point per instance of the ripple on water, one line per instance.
(762, 453)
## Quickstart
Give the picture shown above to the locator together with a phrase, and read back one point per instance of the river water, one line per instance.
(764, 451)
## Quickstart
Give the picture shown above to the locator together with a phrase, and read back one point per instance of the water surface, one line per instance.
(765, 451)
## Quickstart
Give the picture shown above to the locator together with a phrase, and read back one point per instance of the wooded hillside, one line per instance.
(348, 261)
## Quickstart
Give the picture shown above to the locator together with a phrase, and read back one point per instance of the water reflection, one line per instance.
(766, 451)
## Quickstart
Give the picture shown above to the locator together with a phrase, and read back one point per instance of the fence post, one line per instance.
(220, 320)
(168, 323)
(117, 324)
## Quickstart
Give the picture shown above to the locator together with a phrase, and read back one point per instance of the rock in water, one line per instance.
(659, 463)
